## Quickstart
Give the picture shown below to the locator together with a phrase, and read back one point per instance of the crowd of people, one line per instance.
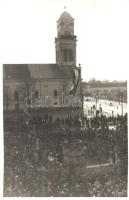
(36, 141)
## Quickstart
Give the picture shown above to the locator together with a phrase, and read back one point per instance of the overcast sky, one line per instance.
(28, 29)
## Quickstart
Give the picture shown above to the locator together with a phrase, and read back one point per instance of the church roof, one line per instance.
(65, 16)
(35, 71)
(45, 71)
(16, 71)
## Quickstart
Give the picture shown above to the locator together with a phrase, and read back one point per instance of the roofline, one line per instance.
(34, 79)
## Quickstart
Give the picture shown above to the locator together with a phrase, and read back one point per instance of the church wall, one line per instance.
(11, 100)
(44, 87)
(47, 87)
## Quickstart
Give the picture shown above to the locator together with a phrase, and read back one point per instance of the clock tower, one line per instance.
(65, 41)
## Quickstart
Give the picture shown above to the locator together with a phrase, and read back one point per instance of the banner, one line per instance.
(76, 77)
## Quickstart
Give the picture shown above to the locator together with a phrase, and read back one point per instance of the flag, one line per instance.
(76, 77)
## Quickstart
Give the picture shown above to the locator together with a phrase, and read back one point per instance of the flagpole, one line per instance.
(81, 92)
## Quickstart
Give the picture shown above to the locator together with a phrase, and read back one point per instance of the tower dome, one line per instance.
(65, 16)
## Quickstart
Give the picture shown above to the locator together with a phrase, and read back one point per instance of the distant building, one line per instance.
(85, 89)
(107, 90)
(22, 81)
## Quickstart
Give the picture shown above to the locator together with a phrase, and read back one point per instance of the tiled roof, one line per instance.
(36, 71)
(16, 71)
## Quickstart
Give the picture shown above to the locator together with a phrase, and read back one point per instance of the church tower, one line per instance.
(65, 41)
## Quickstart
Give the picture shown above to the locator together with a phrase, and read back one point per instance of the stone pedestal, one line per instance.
(74, 160)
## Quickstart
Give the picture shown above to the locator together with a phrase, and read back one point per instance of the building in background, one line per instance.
(85, 88)
(114, 90)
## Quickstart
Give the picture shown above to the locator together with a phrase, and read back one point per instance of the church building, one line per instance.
(25, 81)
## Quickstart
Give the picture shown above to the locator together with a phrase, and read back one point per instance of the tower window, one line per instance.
(16, 96)
(57, 55)
(67, 33)
(55, 93)
(65, 55)
(17, 106)
(62, 23)
(68, 55)
(36, 94)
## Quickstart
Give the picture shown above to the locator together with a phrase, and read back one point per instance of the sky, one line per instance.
(28, 30)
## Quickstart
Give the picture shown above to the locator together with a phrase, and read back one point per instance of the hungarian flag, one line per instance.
(76, 77)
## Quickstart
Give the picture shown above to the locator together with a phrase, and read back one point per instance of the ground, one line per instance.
(49, 177)
(107, 106)
(34, 160)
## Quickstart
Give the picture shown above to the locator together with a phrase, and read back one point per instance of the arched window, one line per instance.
(17, 106)
(55, 93)
(67, 33)
(62, 23)
(57, 55)
(16, 95)
(65, 55)
(36, 94)
(70, 55)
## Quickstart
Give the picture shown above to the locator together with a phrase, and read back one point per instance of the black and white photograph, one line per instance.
(64, 90)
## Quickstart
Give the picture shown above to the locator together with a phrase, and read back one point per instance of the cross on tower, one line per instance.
(65, 8)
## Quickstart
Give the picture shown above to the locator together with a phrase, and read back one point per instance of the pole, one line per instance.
(81, 92)
(96, 105)
(121, 103)
(122, 106)
(7, 100)
(82, 101)
(82, 105)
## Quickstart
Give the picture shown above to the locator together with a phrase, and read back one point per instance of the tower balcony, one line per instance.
(67, 37)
